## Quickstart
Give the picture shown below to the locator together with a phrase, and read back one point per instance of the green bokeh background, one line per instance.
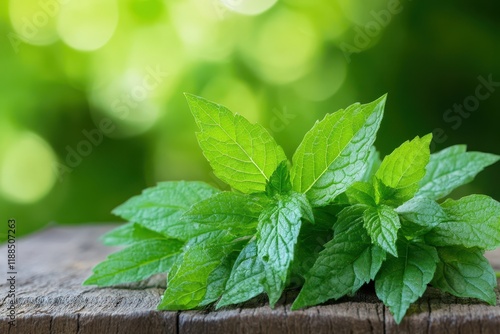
(66, 65)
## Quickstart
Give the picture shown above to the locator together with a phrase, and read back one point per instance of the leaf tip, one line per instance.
(493, 300)
(299, 303)
(88, 281)
(119, 210)
(219, 305)
(190, 96)
(295, 306)
(399, 313)
(495, 158)
(381, 100)
(427, 138)
(398, 318)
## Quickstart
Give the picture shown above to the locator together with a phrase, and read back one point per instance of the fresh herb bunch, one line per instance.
(335, 219)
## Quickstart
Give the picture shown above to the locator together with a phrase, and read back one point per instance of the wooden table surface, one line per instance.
(52, 264)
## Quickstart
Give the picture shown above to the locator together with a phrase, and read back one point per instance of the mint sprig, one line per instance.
(333, 220)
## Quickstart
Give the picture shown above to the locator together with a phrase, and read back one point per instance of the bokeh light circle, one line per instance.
(205, 36)
(34, 22)
(248, 7)
(283, 48)
(88, 25)
(234, 94)
(127, 102)
(325, 80)
(27, 170)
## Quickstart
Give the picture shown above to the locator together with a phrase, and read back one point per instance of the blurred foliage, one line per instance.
(91, 104)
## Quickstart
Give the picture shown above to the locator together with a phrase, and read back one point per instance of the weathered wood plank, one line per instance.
(51, 266)
(53, 263)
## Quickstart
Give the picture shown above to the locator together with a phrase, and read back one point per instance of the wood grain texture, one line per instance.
(53, 263)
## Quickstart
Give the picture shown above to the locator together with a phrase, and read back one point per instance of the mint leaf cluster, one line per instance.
(332, 220)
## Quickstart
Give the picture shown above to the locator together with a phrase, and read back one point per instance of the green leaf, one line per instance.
(333, 154)
(361, 193)
(238, 213)
(465, 272)
(472, 221)
(279, 183)
(402, 280)
(217, 279)
(241, 154)
(327, 223)
(135, 263)
(397, 179)
(420, 215)
(159, 208)
(451, 168)
(188, 284)
(246, 277)
(129, 233)
(347, 262)
(382, 224)
(373, 164)
(277, 232)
